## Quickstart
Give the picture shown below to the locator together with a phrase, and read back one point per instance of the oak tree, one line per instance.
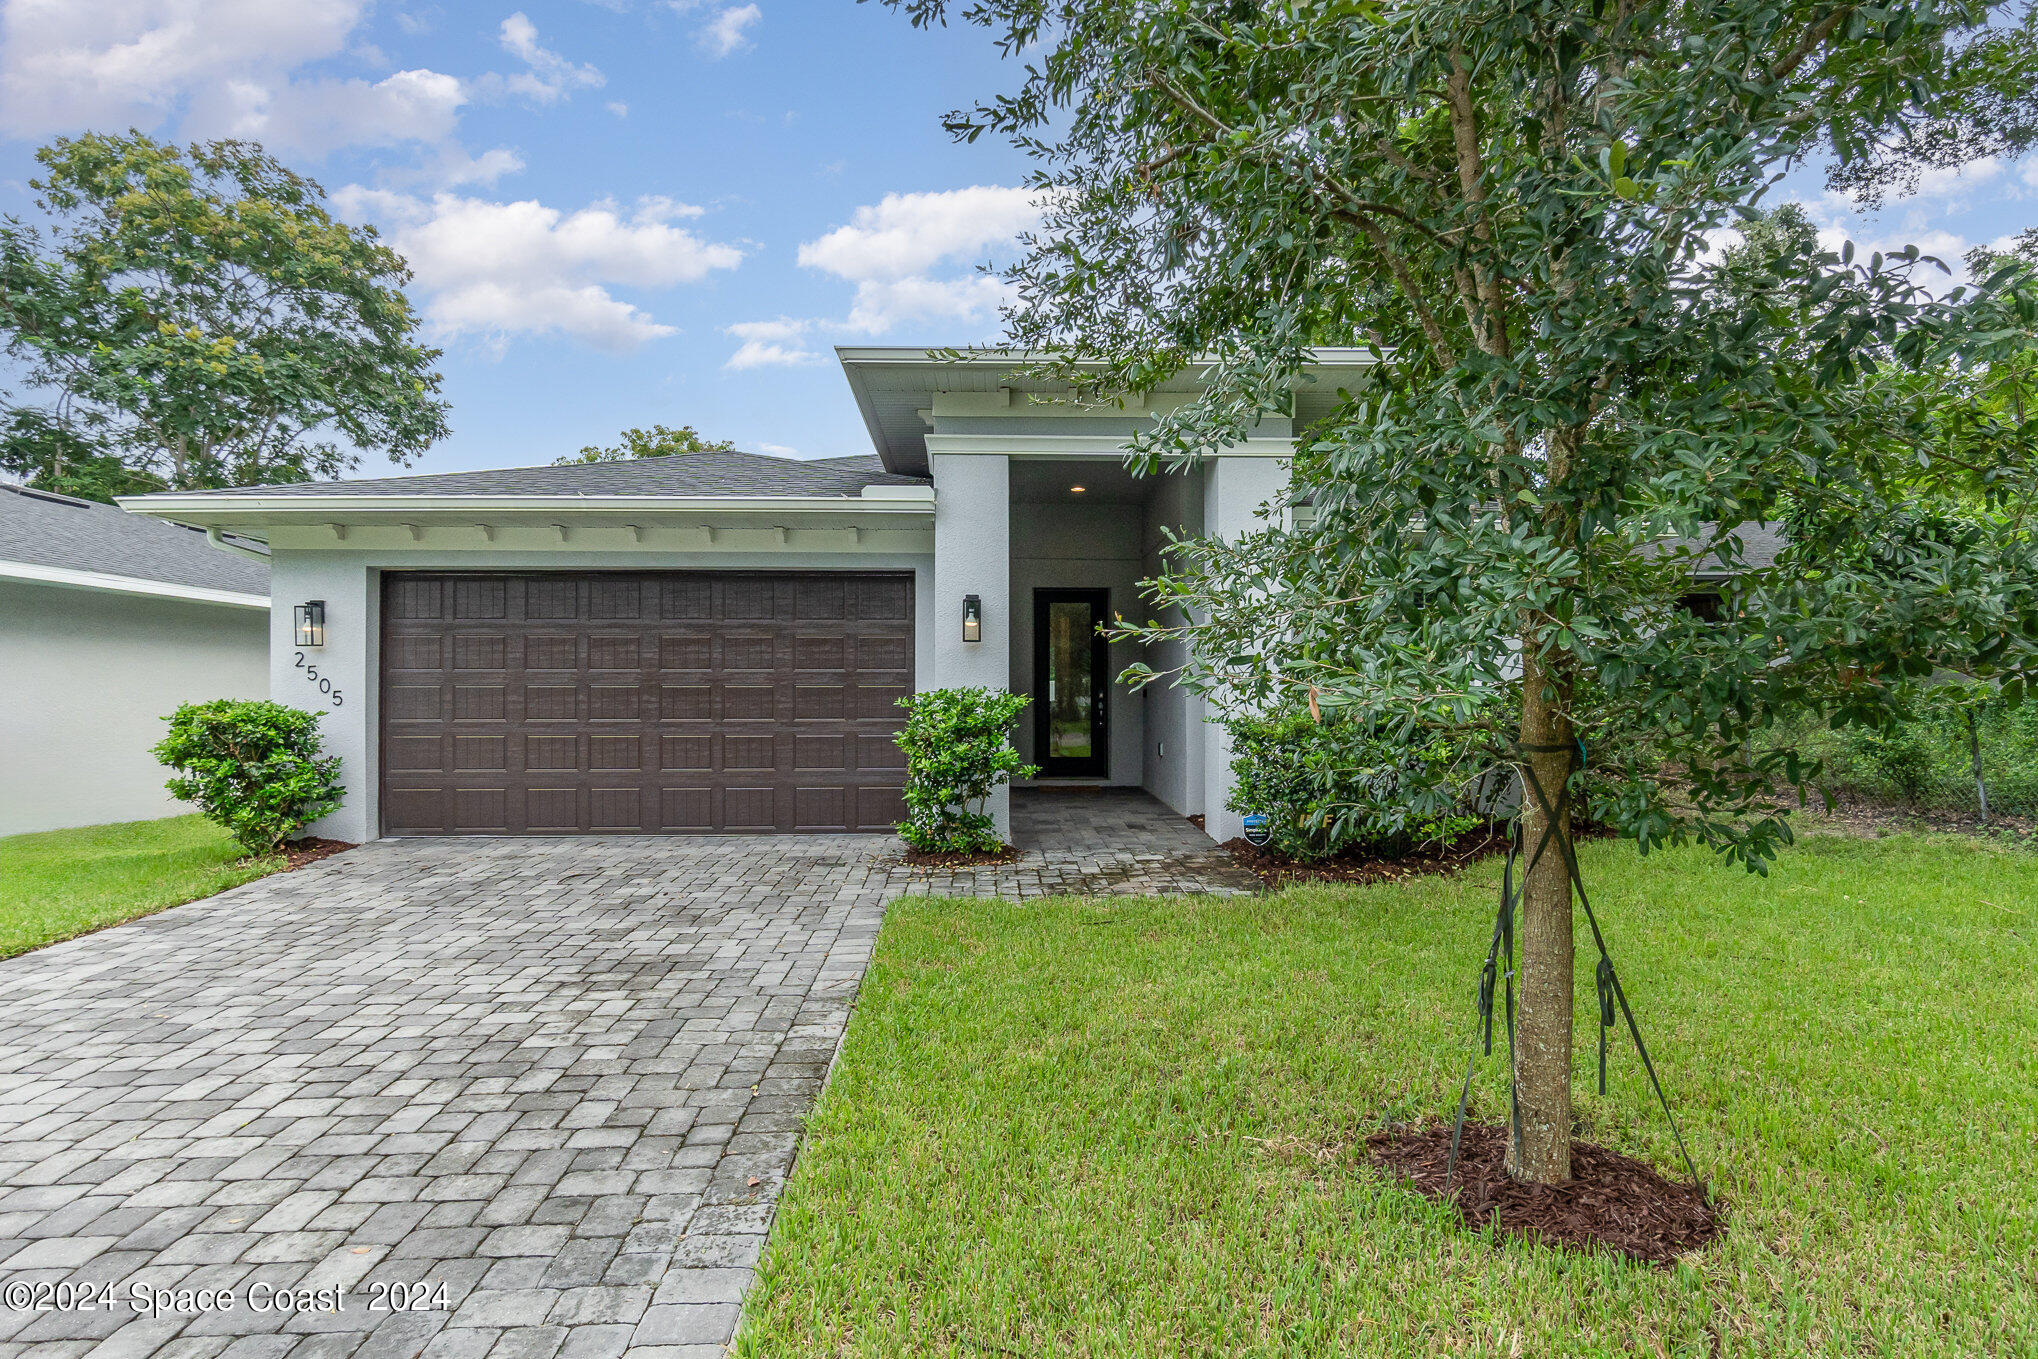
(1517, 205)
(191, 317)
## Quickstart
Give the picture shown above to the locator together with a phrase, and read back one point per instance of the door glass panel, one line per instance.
(1071, 633)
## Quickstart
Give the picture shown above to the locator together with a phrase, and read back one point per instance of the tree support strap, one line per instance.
(1500, 961)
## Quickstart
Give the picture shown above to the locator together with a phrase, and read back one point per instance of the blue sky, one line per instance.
(636, 211)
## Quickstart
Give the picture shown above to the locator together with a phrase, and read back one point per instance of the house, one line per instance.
(716, 641)
(107, 623)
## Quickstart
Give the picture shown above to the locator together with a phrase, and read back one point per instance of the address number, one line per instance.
(325, 685)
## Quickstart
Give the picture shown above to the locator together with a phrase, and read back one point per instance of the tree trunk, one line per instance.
(1542, 1067)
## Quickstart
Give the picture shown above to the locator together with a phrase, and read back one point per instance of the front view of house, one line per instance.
(716, 642)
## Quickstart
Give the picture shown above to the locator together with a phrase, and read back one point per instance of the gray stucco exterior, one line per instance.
(974, 490)
(86, 677)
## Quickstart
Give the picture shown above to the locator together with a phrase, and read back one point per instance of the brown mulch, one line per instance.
(1612, 1202)
(312, 848)
(1278, 870)
(917, 858)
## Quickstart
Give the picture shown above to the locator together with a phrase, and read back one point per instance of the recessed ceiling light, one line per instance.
(1076, 490)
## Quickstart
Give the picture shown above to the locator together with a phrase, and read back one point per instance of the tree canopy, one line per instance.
(192, 317)
(1578, 402)
(659, 441)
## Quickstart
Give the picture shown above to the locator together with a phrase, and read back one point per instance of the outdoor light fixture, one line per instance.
(1077, 490)
(972, 618)
(310, 617)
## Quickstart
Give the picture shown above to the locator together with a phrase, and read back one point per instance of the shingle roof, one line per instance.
(740, 474)
(38, 528)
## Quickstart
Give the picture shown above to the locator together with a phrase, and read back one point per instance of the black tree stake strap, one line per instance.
(1500, 964)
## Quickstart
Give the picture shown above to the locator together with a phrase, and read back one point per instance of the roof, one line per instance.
(62, 540)
(680, 474)
(1759, 545)
(892, 385)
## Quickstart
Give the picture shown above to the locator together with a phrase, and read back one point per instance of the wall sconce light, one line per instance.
(310, 618)
(972, 618)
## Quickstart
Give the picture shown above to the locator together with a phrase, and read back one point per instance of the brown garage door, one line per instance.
(665, 702)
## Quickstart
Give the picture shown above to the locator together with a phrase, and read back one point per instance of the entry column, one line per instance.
(1237, 488)
(973, 558)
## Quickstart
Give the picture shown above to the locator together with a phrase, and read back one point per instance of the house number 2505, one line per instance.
(325, 685)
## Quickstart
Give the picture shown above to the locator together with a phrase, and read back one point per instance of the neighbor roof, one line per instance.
(681, 474)
(52, 537)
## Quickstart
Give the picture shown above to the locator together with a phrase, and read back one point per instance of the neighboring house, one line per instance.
(107, 623)
(716, 641)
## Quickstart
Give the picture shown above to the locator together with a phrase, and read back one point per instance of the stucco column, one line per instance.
(1235, 489)
(347, 684)
(973, 556)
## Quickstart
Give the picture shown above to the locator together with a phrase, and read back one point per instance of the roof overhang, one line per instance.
(893, 384)
(253, 515)
(68, 578)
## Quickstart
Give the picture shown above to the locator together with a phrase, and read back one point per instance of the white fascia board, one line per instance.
(68, 578)
(1085, 446)
(205, 509)
(913, 354)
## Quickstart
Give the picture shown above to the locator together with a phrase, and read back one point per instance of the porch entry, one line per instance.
(1071, 683)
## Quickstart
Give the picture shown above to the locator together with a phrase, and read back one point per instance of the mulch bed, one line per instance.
(312, 848)
(916, 858)
(1613, 1202)
(1278, 870)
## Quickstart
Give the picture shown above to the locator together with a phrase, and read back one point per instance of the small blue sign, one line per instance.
(1258, 830)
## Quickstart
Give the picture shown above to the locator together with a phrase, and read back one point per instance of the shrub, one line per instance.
(1337, 785)
(252, 767)
(958, 749)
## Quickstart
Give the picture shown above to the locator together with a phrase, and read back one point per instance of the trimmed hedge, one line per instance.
(1339, 786)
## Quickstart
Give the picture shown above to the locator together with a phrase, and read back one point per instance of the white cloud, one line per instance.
(775, 450)
(725, 30)
(497, 270)
(729, 30)
(317, 116)
(908, 254)
(455, 167)
(549, 76)
(618, 107)
(233, 68)
(67, 64)
(770, 344)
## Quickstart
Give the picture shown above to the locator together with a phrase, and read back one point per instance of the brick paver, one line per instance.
(557, 1082)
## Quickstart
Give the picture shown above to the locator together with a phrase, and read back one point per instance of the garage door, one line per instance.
(654, 702)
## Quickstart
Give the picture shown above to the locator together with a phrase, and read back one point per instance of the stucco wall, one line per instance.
(972, 556)
(86, 677)
(1089, 547)
(1172, 753)
(1234, 491)
(349, 581)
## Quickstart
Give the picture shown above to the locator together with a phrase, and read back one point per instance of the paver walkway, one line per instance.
(562, 1078)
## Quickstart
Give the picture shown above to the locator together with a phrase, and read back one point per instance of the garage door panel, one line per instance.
(675, 701)
(749, 702)
(551, 651)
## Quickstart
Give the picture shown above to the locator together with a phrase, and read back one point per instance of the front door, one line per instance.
(1071, 677)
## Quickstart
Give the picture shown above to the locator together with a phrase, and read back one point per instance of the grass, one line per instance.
(58, 884)
(1123, 1126)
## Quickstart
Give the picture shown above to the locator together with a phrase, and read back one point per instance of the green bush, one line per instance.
(1338, 785)
(252, 767)
(958, 745)
(1925, 761)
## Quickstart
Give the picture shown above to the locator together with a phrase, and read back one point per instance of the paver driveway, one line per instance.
(563, 1078)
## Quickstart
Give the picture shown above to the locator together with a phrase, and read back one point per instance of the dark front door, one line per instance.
(1071, 677)
(702, 701)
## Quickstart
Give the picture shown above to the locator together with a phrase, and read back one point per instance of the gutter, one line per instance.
(890, 500)
(67, 578)
(217, 539)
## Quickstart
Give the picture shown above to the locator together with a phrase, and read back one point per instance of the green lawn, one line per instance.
(1104, 1127)
(56, 884)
